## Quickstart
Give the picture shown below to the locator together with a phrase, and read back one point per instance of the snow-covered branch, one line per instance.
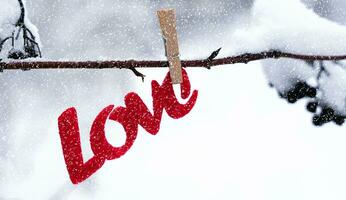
(128, 64)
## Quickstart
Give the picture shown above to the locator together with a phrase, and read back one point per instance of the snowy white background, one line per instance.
(240, 141)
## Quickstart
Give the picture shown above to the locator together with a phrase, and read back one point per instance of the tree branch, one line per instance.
(131, 64)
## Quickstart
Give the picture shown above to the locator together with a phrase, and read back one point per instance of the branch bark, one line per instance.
(131, 64)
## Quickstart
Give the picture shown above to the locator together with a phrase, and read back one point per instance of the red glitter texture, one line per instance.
(135, 113)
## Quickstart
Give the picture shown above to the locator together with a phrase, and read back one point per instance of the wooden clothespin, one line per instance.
(168, 26)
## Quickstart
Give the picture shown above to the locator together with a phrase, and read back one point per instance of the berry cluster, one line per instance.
(323, 114)
(299, 91)
(29, 52)
(326, 115)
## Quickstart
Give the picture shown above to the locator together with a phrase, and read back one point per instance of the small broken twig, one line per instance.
(212, 57)
(137, 73)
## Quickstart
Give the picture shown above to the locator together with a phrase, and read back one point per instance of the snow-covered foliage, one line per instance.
(18, 36)
(333, 86)
(9, 15)
(290, 27)
(293, 27)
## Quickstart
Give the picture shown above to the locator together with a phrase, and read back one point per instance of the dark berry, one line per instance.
(291, 97)
(301, 93)
(327, 115)
(299, 86)
(316, 120)
(299, 90)
(312, 106)
(311, 92)
(339, 120)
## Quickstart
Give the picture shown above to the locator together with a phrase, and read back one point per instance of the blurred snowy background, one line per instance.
(240, 142)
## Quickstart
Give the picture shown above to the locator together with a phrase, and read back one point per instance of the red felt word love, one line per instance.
(135, 113)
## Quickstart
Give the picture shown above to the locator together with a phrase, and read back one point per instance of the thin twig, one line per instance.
(137, 73)
(128, 64)
(212, 57)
